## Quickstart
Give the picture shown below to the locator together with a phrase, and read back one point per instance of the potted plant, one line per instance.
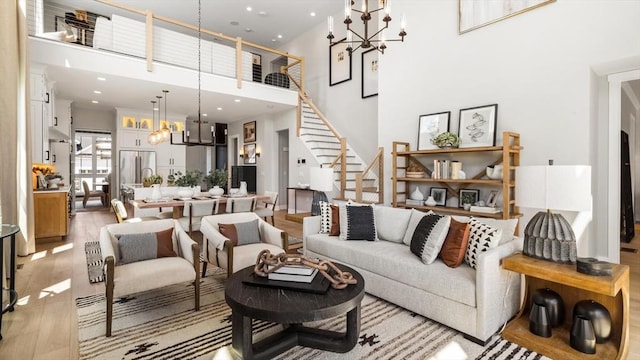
(151, 180)
(171, 180)
(446, 140)
(190, 178)
(216, 181)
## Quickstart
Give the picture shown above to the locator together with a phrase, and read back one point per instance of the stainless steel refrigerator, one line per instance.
(136, 165)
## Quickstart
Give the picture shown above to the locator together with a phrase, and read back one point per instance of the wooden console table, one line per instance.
(610, 291)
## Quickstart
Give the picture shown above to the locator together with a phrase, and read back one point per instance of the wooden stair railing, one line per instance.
(379, 158)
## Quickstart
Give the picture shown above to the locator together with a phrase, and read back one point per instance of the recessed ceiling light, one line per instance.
(237, 100)
(262, 13)
(248, 29)
(279, 36)
(273, 40)
(249, 8)
(95, 101)
(155, 108)
(204, 114)
(102, 78)
(313, 13)
(234, 23)
(219, 108)
(97, 92)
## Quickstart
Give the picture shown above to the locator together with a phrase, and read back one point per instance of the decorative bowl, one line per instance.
(415, 174)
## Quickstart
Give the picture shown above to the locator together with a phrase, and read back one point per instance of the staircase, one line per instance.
(352, 177)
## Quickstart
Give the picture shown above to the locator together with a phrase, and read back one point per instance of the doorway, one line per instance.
(92, 163)
(283, 167)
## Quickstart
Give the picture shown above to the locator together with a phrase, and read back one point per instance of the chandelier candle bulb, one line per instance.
(330, 24)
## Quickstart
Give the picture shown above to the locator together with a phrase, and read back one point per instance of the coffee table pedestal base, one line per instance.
(293, 335)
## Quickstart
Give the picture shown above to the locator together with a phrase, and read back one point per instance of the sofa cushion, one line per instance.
(335, 221)
(391, 223)
(396, 262)
(241, 233)
(481, 238)
(428, 237)
(455, 244)
(145, 246)
(325, 217)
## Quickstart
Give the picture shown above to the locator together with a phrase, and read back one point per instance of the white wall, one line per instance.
(536, 66)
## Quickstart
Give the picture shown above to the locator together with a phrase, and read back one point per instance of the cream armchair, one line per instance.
(220, 251)
(134, 277)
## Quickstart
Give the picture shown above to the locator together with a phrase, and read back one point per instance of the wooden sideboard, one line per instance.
(611, 291)
(51, 213)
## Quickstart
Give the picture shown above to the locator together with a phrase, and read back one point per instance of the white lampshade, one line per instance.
(321, 179)
(554, 187)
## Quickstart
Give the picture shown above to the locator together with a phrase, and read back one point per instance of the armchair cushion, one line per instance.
(241, 233)
(145, 246)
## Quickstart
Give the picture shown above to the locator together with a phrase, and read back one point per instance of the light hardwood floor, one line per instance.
(43, 326)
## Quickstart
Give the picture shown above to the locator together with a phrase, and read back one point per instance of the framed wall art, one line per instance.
(249, 151)
(478, 126)
(468, 196)
(492, 199)
(474, 14)
(439, 195)
(249, 131)
(430, 126)
(370, 73)
(339, 63)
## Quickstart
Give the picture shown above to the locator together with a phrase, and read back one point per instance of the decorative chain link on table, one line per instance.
(339, 280)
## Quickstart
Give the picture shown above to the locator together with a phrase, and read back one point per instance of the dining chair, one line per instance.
(244, 204)
(195, 210)
(122, 215)
(269, 207)
(92, 194)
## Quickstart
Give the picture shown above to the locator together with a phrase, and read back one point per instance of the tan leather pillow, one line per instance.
(241, 233)
(165, 243)
(229, 231)
(335, 221)
(455, 244)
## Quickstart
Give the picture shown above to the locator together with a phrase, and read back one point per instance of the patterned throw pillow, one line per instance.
(481, 238)
(325, 217)
(360, 223)
(241, 233)
(428, 237)
(145, 246)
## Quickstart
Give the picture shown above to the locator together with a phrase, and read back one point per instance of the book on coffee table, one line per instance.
(293, 269)
(293, 277)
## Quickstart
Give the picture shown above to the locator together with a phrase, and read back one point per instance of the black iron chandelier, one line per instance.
(366, 41)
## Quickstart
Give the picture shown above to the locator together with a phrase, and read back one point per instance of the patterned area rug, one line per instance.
(94, 261)
(162, 324)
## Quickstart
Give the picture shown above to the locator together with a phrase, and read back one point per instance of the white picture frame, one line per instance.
(430, 126)
(492, 198)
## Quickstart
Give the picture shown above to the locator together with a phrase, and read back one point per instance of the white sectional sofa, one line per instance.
(475, 302)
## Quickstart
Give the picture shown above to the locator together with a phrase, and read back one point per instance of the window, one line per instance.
(92, 159)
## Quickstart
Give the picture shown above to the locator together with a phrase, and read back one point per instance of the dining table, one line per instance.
(178, 204)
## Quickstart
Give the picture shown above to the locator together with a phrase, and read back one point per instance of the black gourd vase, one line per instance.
(598, 315)
(553, 303)
(539, 321)
(583, 337)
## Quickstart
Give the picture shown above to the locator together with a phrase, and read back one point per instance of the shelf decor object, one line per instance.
(598, 315)
(373, 39)
(478, 126)
(539, 321)
(548, 235)
(320, 180)
(583, 337)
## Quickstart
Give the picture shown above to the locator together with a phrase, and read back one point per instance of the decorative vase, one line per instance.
(155, 192)
(185, 193)
(583, 337)
(598, 315)
(494, 172)
(553, 303)
(417, 195)
(216, 191)
(539, 323)
(430, 201)
(243, 188)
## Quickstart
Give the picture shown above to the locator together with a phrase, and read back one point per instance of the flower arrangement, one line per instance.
(151, 180)
(446, 139)
(189, 179)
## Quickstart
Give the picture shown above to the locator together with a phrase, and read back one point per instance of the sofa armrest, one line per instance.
(271, 234)
(310, 226)
(497, 290)
(185, 245)
(211, 236)
(106, 245)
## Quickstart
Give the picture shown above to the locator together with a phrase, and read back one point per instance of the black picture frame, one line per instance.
(439, 195)
(369, 79)
(430, 126)
(468, 196)
(339, 63)
(477, 126)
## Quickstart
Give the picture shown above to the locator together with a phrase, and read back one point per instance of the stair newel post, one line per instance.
(359, 177)
(343, 166)
(381, 175)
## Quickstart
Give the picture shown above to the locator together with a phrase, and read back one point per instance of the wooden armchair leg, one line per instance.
(109, 292)
(204, 268)
(196, 264)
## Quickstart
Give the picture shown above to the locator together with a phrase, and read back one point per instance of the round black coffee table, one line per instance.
(291, 308)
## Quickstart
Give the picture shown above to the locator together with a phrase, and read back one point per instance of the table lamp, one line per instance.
(321, 180)
(549, 236)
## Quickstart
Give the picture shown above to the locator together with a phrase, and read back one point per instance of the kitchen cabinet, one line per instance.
(51, 213)
(60, 127)
(40, 133)
(134, 139)
(508, 154)
(61, 159)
